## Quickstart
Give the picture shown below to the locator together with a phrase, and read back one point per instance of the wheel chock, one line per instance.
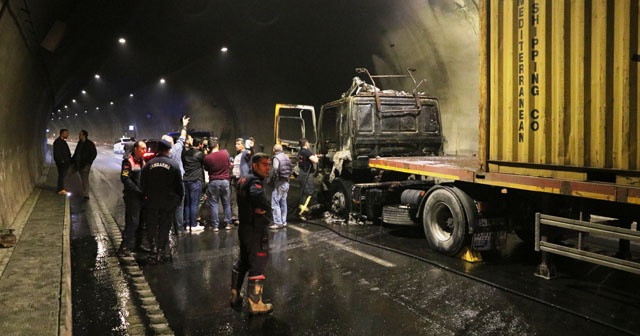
(304, 207)
(469, 255)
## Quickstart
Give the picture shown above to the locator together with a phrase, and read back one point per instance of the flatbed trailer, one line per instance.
(541, 209)
(457, 168)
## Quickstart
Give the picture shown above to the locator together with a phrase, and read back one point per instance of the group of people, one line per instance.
(166, 192)
(153, 195)
(80, 162)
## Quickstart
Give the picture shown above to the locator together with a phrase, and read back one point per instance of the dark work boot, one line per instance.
(124, 250)
(256, 306)
(140, 245)
(237, 280)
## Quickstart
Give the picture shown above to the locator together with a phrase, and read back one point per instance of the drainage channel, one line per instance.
(150, 315)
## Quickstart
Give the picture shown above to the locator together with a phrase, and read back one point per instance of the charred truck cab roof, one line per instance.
(366, 122)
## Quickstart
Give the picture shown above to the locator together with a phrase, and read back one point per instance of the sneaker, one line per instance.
(284, 225)
(197, 228)
(228, 227)
(215, 229)
(275, 226)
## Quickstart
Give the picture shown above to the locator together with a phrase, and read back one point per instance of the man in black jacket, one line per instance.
(82, 159)
(193, 180)
(161, 183)
(62, 157)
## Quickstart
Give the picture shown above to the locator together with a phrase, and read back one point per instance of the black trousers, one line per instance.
(254, 249)
(158, 222)
(62, 174)
(132, 217)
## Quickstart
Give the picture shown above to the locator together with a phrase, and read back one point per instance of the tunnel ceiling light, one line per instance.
(110, 103)
(122, 40)
(85, 111)
(73, 100)
(131, 95)
(67, 107)
(162, 81)
(96, 76)
(84, 92)
(224, 49)
(97, 108)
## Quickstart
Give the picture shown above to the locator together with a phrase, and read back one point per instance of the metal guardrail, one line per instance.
(577, 252)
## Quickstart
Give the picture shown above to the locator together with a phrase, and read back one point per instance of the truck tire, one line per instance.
(444, 222)
(339, 198)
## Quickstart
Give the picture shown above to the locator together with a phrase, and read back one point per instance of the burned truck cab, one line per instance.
(368, 122)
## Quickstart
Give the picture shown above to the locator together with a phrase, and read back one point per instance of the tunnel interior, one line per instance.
(278, 52)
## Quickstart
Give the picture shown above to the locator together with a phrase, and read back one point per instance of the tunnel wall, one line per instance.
(24, 99)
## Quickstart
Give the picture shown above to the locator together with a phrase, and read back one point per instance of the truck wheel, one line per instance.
(339, 198)
(444, 222)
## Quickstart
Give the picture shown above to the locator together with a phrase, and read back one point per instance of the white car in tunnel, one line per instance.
(118, 146)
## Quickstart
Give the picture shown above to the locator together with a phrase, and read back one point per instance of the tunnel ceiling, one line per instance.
(280, 51)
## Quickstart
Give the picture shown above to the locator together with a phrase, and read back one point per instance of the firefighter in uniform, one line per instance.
(161, 183)
(130, 176)
(254, 212)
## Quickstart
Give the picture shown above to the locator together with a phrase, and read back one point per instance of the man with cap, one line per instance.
(176, 154)
(161, 183)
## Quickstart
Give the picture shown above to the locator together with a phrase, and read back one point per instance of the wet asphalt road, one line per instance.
(336, 280)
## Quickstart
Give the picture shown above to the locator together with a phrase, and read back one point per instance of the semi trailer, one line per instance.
(557, 147)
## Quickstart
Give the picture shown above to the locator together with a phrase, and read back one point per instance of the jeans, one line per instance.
(192, 193)
(219, 191)
(178, 220)
(279, 202)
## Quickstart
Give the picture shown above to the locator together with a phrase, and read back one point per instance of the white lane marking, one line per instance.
(299, 229)
(351, 250)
